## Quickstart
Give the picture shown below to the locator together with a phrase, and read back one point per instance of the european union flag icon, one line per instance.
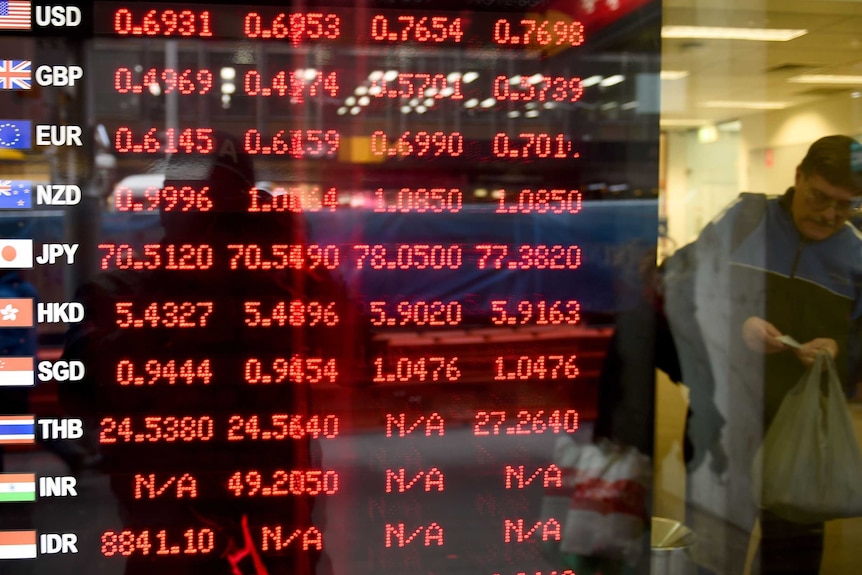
(16, 194)
(15, 134)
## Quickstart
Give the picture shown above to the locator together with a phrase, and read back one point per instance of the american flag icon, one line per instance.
(15, 74)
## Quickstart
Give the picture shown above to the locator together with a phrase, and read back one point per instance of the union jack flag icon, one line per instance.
(15, 75)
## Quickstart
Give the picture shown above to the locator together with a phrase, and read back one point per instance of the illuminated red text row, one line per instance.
(299, 313)
(316, 199)
(300, 27)
(298, 85)
(372, 257)
(315, 482)
(283, 427)
(325, 143)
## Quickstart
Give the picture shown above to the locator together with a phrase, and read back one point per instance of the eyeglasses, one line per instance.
(821, 201)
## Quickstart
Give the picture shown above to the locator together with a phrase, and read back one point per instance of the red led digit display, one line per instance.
(419, 144)
(406, 28)
(520, 478)
(545, 89)
(416, 85)
(166, 314)
(294, 313)
(182, 23)
(170, 372)
(538, 367)
(187, 141)
(543, 33)
(297, 27)
(540, 201)
(156, 429)
(163, 81)
(294, 143)
(296, 369)
(416, 370)
(294, 200)
(127, 543)
(530, 145)
(420, 201)
(295, 84)
(420, 313)
(281, 483)
(282, 427)
(167, 199)
(542, 312)
(283, 256)
(408, 257)
(541, 257)
(525, 422)
(157, 256)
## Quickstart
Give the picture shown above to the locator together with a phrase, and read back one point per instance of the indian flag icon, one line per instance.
(17, 544)
(17, 487)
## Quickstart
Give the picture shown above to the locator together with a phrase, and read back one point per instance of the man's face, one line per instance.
(819, 208)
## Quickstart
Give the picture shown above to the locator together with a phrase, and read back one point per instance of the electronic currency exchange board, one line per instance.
(314, 288)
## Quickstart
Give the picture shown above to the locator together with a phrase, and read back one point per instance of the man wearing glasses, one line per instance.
(768, 270)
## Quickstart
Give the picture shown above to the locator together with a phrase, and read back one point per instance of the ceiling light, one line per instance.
(826, 79)
(375, 75)
(350, 101)
(488, 102)
(342, 110)
(406, 109)
(532, 114)
(591, 81)
(374, 90)
(535, 78)
(310, 74)
(453, 76)
(447, 91)
(612, 81)
(414, 102)
(428, 102)
(227, 73)
(682, 122)
(430, 92)
(390, 75)
(421, 109)
(726, 33)
(361, 90)
(364, 101)
(515, 80)
(470, 77)
(471, 103)
(514, 114)
(355, 110)
(742, 105)
(673, 74)
(629, 105)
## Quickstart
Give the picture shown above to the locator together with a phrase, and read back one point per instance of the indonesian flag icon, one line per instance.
(16, 254)
(16, 372)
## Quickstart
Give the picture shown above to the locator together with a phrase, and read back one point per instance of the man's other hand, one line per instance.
(761, 336)
(807, 353)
